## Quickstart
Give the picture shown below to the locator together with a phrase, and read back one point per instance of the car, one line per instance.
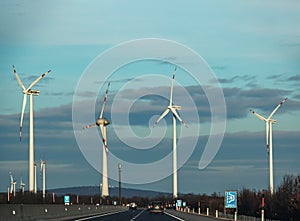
(149, 206)
(156, 207)
(133, 205)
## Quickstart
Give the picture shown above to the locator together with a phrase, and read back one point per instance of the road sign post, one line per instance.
(67, 200)
(230, 200)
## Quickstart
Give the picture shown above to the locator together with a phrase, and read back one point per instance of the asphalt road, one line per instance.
(142, 215)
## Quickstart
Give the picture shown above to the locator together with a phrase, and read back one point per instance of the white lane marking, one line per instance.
(106, 214)
(169, 214)
(137, 215)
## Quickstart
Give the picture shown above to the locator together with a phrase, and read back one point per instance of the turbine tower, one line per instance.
(269, 122)
(43, 170)
(173, 108)
(102, 123)
(29, 92)
(35, 183)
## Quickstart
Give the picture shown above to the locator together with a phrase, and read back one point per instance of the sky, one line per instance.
(231, 56)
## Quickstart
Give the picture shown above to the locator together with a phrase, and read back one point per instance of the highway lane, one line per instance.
(131, 215)
(144, 215)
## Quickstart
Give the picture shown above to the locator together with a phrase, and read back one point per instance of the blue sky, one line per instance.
(253, 48)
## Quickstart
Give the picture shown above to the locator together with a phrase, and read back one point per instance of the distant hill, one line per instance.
(113, 191)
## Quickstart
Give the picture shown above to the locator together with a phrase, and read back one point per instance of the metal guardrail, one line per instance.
(220, 215)
(29, 212)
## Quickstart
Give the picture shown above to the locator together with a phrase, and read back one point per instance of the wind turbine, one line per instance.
(269, 122)
(29, 92)
(22, 185)
(12, 184)
(35, 183)
(173, 108)
(43, 170)
(102, 123)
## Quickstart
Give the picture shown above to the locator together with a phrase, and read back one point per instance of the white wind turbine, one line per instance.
(269, 121)
(30, 92)
(35, 183)
(22, 186)
(12, 184)
(102, 123)
(43, 170)
(173, 108)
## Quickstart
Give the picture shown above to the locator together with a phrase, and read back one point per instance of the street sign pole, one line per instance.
(230, 201)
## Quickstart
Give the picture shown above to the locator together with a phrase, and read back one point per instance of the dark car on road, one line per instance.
(156, 207)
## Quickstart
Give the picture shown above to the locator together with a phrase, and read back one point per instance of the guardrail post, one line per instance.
(217, 213)
(207, 211)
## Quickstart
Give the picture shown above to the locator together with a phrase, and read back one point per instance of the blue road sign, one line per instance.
(67, 200)
(179, 203)
(230, 199)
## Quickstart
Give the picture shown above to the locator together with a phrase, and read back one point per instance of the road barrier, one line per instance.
(31, 212)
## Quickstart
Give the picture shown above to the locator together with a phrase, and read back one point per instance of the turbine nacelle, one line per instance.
(102, 121)
(176, 107)
(22, 184)
(33, 92)
(43, 163)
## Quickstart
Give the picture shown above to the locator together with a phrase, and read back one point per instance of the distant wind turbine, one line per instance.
(12, 184)
(173, 108)
(269, 122)
(22, 186)
(43, 170)
(102, 123)
(35, 183)
(29, 92)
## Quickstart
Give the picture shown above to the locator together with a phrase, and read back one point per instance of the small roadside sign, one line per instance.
(179, 203)
(67, 200)
(230, 199)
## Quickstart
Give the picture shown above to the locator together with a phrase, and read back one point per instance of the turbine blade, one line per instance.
(267, 135)
(257, 115)
(103, 137)
(38, 79)
(88, 126)
(11, 182)
(178, 117)
(276, 108)
(11, 177)
(104, 101)
(18, 79)
(171, 92)
(22, 114)
(161, 116)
